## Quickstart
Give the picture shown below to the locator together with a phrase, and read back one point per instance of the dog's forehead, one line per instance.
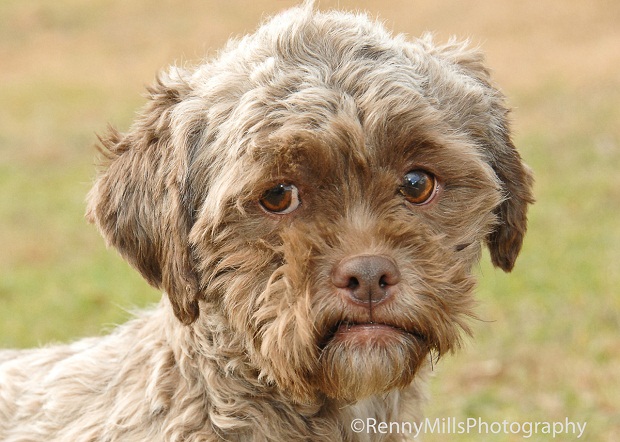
(332, 82)
(323, 92)
(305, 67)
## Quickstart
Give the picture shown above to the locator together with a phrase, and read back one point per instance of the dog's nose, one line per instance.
(366, 278)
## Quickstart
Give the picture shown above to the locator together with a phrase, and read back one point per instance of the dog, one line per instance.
(311, 202)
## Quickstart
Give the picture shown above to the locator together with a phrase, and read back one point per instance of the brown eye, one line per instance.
(418, 187)
(281, 199)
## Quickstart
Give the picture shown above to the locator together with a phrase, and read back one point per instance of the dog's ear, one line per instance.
(505, 240)
(140, 200)
(486, 119)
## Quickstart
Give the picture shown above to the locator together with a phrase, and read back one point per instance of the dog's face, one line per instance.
(325, 188)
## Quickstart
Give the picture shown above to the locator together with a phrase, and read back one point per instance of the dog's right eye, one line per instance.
(281, 199)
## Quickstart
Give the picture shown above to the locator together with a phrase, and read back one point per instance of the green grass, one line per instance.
(548, 346)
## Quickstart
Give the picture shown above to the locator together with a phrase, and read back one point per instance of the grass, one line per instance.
(549, 345)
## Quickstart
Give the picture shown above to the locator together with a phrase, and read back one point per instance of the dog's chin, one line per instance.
(361, 360)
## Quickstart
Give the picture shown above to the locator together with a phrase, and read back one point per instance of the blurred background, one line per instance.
(548, 345)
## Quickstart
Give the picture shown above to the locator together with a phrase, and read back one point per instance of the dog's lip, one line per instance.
(344, 328)
(354, 327)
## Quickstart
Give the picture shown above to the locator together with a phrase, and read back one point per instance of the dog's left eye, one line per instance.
(281, 199)
(418, 187)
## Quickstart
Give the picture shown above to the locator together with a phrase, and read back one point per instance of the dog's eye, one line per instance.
(418, 187)
(281, 199)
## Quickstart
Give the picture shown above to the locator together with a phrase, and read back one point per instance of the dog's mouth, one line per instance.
(366, 331)
(361, 358)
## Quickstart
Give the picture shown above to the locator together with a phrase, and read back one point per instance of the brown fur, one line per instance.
(336, 105)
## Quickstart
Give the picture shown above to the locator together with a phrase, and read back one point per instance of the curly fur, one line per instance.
(242, 345)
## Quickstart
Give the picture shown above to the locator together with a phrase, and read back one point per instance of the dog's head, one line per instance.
(325, 187)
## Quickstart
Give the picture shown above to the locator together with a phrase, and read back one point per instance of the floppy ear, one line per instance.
(140, 200)
(479, 108)
(505, 240)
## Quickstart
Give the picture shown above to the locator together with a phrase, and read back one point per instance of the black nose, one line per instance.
(366, 278)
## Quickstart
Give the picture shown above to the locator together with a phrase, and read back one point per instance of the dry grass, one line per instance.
(549, 347)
